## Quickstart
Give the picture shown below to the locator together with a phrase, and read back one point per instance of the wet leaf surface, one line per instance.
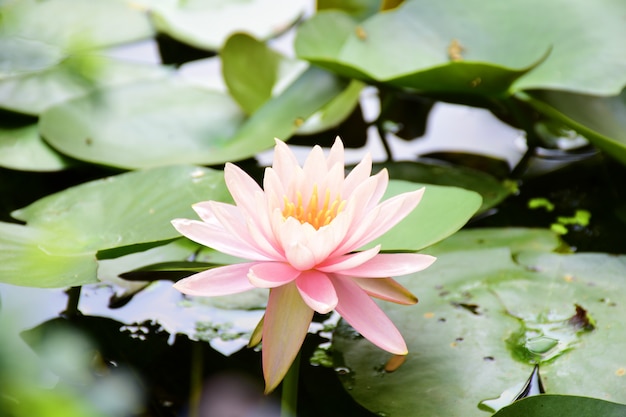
(523, 298)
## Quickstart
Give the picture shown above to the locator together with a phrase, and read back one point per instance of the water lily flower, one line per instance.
(302, 233)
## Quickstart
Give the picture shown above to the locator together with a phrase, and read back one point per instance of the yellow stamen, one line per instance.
(315, 214)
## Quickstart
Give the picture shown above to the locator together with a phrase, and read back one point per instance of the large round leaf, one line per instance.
(485, 317)
(208, 23)
(442, 211)
(602, 120)
(33, 91)
(22, 148)
(123, 210)
(462, 46)
(74, 24)
(24, 261)
(562, 405)
(143, 124)
(166, 122)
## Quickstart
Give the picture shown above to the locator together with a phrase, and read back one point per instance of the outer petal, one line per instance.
(315, 164)
(272, 274)
(347, 262)
(390, 265)
(335, 157)
(317, 291)
(284, 160)
(241, 187)
(358, 309)
(234, 222)
(381, 219)
(286, 323)
(359, 173)
(224, 280)
(386, 289)
(216, 237)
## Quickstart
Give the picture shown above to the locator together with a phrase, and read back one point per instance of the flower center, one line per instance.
(317, 213)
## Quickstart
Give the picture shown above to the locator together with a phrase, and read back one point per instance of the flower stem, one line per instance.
(289, 396)
(195, 394)
(73, 297)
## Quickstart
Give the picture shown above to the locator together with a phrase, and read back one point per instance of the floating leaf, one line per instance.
(561, 405)
(22, 148)
(166, 122)
(207, 24)
(31, 92)
(74, 23)
(442, 211)
(478, 310)
(457, 46)
(123, 210)
(602, 120)
(23, 261)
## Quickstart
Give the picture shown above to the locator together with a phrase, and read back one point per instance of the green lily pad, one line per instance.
(249, 88)
(492, 191)
(142, 125)
(562, 405)
(207, 24)
(31, 92)
(75, 24)
(22, 148)
(165, 122)
(273, 73)
(359, 9)
(473, 47)
(23, 261)
(602, 120)
(442, 211)
(478, 310)
(123, 210)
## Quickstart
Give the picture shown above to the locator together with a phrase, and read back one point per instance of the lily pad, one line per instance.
(31, 92)
(562, 405)
(207, 24)
(22, 148)
(75, 24)
(473, 47)
(479, 308)
(165, 122)
(123, 210)
(602, 120)
(442, 211)
(23, 261)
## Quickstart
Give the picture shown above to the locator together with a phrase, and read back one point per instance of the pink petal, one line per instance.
(386, 289)
(241, 187)
(336, 155)
(225, 280)
(233, 221)
(293, 237)
(358, 174)
(315, 163)
(390, 265)
(284, 160)
(272, 274)
(286, 323)
(381, 219)
(216, 237)
(358, 309)
(353, 260)
(317, 291)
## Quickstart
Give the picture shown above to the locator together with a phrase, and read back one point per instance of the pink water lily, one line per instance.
(302, 232)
